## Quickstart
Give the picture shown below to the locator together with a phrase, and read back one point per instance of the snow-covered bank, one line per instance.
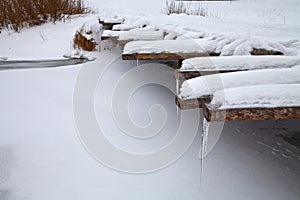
(48, 41)
(269, 19)
(234, 27)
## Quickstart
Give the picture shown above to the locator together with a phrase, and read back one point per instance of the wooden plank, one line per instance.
(123, 42)
(109, 25)
(260, 52)
(185, 104)
(278, 113)
(113, 38)
(181, 56)
(185, 75)
(286, 113)
(165, 56)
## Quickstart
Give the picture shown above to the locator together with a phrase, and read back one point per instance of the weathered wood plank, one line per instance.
(165, 56)
(185, 75)
(286, 113)
(113, 38)
(259, 52)
(181, 56)
(278, 113)
(109, 25)
(185, 104)
(123, 42)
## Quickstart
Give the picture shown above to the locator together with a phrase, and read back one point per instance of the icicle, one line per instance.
(177, 92)
(211, 132)
(202, 152)
(177, 86)
(204, 140)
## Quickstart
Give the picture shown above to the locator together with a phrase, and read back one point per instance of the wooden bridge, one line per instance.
(203, 102)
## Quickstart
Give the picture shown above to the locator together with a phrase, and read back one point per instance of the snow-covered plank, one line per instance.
(201, 66)
(255, 103)
(147, 34)
(239, 63)
(113, 20)
(203, 46)
(168, 49)
(111, 35)
(198, 91)
(273, 95)
(128, 26)
(208, 85)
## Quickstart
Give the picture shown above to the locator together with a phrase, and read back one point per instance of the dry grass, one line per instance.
(81, 42)
(179, 7)
(173, 7)
(16, 14)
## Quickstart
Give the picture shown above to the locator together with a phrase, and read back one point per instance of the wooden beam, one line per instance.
(185, 104)
(123, 42)
(181, 56)
(265, 52)
(185, 75)
(180, 61)
(278, 113)
(109, 25)
(101, 21)
(165, 56)
(113, 38)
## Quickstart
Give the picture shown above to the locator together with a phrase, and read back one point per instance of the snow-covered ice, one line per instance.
(44, 158)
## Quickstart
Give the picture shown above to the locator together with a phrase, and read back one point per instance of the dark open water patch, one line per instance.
(288, 130)
(293, 138)
(28, 64)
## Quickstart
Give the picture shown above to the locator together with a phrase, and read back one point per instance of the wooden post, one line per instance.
(185, 104)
